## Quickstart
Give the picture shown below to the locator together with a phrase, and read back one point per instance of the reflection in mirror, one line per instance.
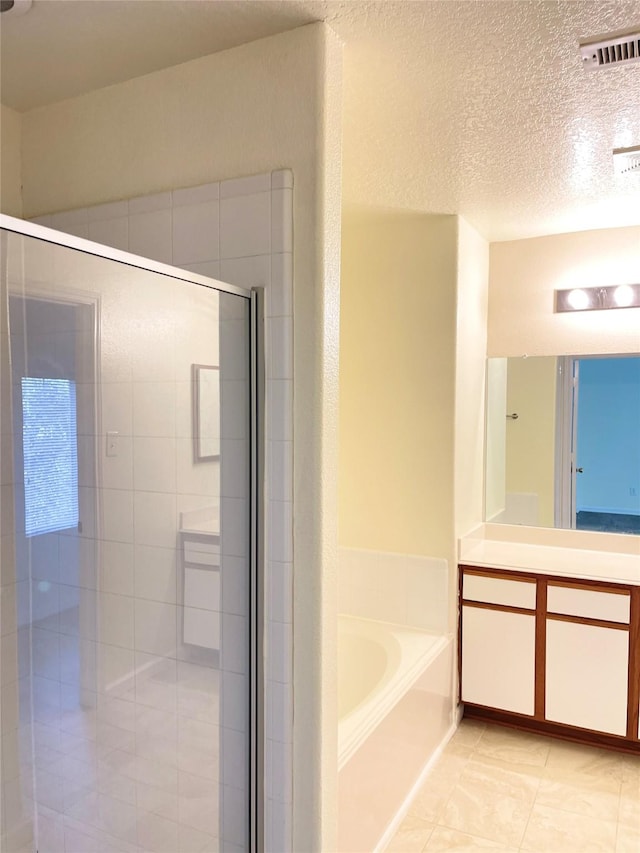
(206, 412)
(563, 442)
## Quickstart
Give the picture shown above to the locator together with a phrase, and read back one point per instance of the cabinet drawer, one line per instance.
(589, 603)
(202, 553)
(499, 591)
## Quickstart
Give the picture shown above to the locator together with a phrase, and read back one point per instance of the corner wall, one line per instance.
(10, 161)
(397, 376)
(471, 354)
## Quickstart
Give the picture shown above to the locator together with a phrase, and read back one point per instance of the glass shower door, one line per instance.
(127, 543)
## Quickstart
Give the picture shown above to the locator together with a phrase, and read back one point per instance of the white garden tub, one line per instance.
(377, 664)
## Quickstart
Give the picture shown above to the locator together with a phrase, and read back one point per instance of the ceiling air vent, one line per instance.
(619, 50)
(627, 160)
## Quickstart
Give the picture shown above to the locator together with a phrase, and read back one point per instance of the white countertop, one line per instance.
(615, 560)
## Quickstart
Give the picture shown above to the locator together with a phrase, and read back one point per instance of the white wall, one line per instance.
(271, 104)
(10, 161)
(522, 280)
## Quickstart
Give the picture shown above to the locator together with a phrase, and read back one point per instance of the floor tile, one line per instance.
(513, 746)
(553, 829)
(579, 793)
(443, 838)
(412, 835)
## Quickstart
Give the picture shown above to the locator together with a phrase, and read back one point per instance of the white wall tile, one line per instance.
(111, 232)
(234, 469)
(116, 568)
(234, 582)
(279, 654)
(235, 648)
(196, 195)
(200, 478)
(154, 409)
(155, 573)
(111, 210)
(116, 620)
(280, 347)
(70, 221)
(117, 515)
(149, 203)
(161, 366)
(280, 592)
(247, 272)
(245, 186)
(154, 464)
(235, 762)
(234, 409)
(233, 515)
(280, 712)
(282, 221)
(279, 395)
(155, 627)
(245, 225)
(196, 233)
(280, 293)
(211, 269)
(280, 470)
(150, 235)
(116, 471)
(43, 220)
(282, 179)
(155, 519)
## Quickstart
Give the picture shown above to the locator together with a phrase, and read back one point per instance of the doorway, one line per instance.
(598, 470)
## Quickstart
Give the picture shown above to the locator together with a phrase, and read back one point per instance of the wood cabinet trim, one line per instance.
(541, 649)
(587, 620)
(556, 730)
(591, 586)
(633, 717)
(630, 742)
(505, 608)
(504, 574)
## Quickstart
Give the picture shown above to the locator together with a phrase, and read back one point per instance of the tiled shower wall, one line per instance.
(239, 231)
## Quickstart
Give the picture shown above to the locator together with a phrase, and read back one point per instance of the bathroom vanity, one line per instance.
(200, 557)
(550, 636)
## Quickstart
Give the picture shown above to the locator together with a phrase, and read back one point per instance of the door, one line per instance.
(598, 455)
(137, 629)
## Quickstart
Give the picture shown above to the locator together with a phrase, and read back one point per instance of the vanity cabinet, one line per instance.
(201, 589)
(552, 654)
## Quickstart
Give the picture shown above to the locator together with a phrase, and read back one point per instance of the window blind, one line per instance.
(50, 444)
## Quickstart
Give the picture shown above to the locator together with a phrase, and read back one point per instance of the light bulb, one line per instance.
(578, 299)
(623, 296)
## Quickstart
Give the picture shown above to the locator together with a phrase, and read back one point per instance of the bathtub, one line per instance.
(377, 664)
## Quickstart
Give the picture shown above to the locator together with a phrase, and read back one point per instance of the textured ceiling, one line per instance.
(479, 108)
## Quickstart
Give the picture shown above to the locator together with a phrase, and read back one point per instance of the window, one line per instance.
(50, 454)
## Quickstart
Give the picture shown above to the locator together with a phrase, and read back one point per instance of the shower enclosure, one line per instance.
(128, 469)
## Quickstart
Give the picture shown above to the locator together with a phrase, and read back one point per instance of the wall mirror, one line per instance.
(562, 442)
(206, 412)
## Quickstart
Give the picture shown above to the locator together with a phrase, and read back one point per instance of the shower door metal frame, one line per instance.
(255, 298)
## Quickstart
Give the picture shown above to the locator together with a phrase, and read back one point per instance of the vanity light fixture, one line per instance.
(598, 298)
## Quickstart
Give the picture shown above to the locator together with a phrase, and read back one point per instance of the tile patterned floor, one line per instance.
(495, 788)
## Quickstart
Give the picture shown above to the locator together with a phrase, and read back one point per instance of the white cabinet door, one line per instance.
(586, 676)
(498, 659)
